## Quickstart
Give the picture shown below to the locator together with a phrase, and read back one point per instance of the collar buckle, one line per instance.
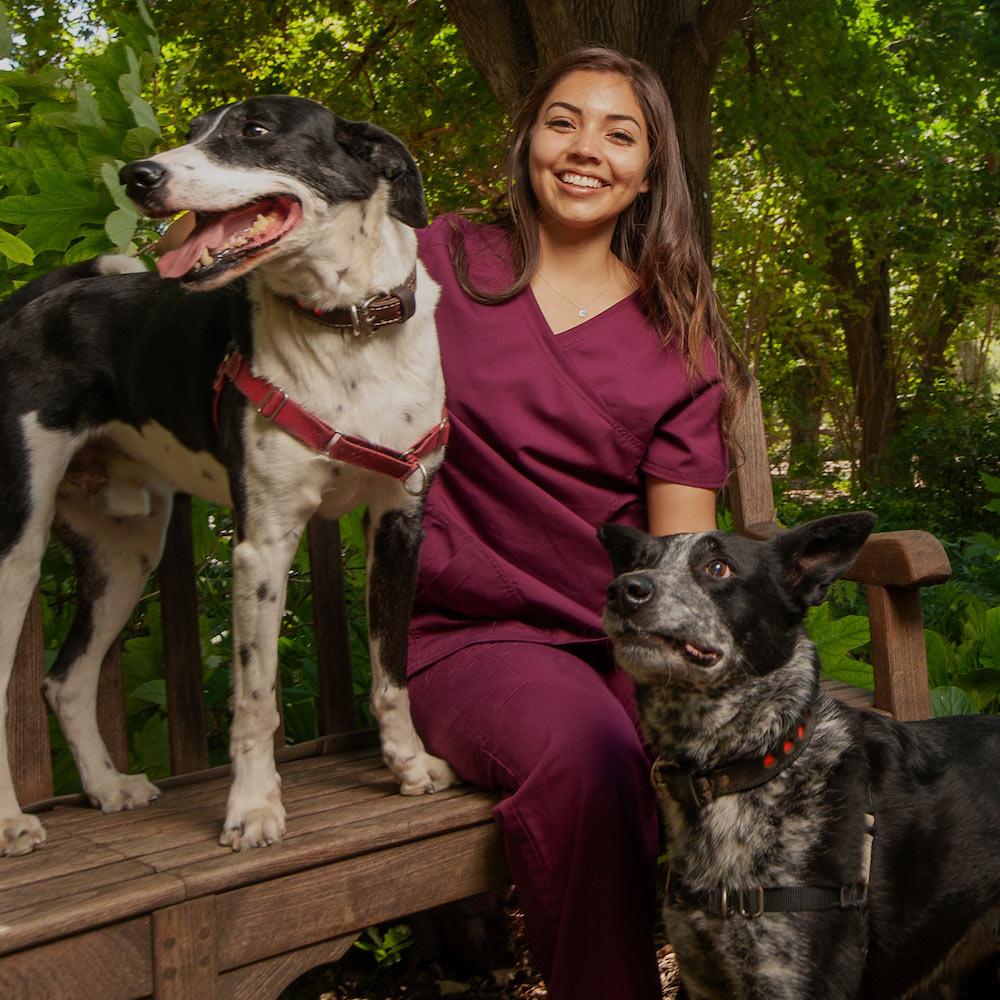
(360, 320)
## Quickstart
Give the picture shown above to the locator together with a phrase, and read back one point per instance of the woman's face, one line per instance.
(588, 151)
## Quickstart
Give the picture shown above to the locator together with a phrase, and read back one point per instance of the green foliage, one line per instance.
(62, 139)
(835, 639)
(962, 636)
(387, 948)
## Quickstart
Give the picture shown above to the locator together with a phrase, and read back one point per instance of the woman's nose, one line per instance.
(585, 145)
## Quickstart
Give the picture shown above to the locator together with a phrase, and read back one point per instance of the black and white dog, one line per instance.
(815, 851)
(301, 271)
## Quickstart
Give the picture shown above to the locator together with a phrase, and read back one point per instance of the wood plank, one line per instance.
(296, 851)
(181, 644)
(184, 957)
(27, 720)
(308, 907)
(111, 964)
(751, 497)
(110, 904)
(44, 891)
(270, 976)
(111, 706)
(338, 712)
(373, 833)
(46, 862)
(899, 656)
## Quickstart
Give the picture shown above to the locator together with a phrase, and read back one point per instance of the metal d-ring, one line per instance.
(424, 479)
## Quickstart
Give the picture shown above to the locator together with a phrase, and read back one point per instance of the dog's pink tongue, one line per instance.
(214, 234)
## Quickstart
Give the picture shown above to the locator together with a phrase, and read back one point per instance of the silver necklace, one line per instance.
(581, 311)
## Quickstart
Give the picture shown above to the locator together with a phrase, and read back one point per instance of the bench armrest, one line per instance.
(900, 559)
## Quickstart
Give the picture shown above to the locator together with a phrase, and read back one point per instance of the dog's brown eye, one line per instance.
(254, 130)
(718, 569)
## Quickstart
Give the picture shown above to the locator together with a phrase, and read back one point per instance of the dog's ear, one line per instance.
(627, 548)
(814, 554)
(390, 159)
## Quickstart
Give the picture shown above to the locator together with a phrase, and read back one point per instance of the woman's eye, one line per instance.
(623, 137)
(559, 123)
(254, 130)
(718, 569)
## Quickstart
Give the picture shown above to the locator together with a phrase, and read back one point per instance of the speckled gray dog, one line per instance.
(815, 851)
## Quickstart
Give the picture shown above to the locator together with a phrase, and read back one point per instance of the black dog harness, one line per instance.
(695, 790)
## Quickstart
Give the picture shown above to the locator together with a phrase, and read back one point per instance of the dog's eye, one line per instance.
(718, 569)
(254, 130)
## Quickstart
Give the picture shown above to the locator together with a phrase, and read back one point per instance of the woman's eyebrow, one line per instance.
(577, 111)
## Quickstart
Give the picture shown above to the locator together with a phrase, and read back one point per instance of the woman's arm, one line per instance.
(673, 508)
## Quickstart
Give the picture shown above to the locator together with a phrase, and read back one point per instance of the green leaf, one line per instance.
(834, 639)
(940, 658)
(144, 115)
(92, 244)
(151, 748)
(951, 701)
(5, 36)
(54, 216)
(120, 226)
(991, 639)
(15, 249)
(154, 691)
(992, 483)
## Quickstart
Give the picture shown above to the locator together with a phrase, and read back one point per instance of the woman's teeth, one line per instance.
(580, 181)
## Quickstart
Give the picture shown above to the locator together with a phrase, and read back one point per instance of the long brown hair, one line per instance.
(655, 236)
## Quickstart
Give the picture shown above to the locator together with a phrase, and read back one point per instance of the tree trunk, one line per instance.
(510, 40)
(863, 306)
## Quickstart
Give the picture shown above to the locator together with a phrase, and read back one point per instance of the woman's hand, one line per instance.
(673, 508)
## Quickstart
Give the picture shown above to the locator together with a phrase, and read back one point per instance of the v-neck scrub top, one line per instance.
(552, 435)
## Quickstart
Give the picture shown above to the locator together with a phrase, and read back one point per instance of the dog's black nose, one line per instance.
(142, 176)
(630, 591)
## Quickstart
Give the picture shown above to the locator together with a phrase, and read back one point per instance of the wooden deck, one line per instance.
(356, 853)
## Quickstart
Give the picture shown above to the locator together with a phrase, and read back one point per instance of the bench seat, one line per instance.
(132, 904)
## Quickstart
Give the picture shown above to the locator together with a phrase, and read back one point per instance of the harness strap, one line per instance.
(755, 902)
(275, 405)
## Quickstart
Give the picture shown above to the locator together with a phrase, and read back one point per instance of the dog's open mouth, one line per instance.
(222, 240)
(695, 654)
(700, 656)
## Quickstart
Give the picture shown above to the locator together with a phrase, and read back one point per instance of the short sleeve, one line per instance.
(687, 445)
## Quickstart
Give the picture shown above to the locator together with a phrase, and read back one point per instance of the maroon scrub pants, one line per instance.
(557, 735)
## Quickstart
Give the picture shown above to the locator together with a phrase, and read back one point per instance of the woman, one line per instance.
(588, 374)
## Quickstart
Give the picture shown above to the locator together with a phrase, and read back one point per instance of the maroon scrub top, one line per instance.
(552, 435)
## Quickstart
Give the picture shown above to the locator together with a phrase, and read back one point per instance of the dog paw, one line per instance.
(125, 791)
(20, 834)
(422, 774)
(255, 827)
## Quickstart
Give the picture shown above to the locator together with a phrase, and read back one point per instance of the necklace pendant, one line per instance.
(583, 313)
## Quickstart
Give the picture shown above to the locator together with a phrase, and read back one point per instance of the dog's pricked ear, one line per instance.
(813, 555)
(627, 548)
(392, 161)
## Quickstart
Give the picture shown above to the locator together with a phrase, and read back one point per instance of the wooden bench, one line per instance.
(146, 903)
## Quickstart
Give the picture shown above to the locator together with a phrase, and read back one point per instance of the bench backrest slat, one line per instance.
(27, 722)
(181, 644)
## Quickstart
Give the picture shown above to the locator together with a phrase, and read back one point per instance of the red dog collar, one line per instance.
(275, 405)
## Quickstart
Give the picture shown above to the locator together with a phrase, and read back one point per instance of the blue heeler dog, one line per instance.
(815, 851)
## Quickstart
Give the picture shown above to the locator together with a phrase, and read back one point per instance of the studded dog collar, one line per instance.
(696, 790)
(382, 309)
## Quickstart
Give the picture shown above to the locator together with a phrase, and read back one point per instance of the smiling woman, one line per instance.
(586, 370)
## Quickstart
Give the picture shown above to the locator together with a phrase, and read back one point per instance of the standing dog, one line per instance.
(301, 281)
(815, 851)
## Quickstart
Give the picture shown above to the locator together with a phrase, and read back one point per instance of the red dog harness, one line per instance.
(274, 404)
